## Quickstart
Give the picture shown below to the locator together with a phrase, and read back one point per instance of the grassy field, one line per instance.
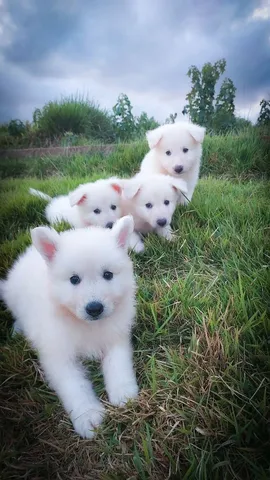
(201, 340)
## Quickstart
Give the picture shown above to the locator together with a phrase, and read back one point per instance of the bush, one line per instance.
(16, 128)
(223, 123)
(77, 115)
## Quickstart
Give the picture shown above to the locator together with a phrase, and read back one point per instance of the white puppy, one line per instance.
(72, 295)
(175, 149)
(95, 203)
(151, 200)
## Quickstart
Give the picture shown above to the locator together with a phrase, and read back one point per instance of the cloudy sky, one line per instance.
(144, 48)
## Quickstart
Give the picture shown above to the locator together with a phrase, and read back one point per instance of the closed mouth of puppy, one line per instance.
(90, 318)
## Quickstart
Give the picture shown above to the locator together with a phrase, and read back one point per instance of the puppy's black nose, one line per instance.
(161, 222)
(94, 309)
(178, 168)
(109, 225)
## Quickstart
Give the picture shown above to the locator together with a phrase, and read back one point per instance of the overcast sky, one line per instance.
(144, 48)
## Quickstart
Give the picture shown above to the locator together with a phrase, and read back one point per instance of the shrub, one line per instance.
(16, 128)
(74, 114)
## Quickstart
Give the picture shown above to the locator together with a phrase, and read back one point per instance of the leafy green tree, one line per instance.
(202, 106)
(144, 123)
(223, 118)
(127, 126)
(200, 99)
(225, 98)
(264, 115)
(123, 118)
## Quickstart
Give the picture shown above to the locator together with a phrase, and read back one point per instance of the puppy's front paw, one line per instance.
(167, 234)
(135, 243)
(172, 237)
(122, 393)
(85, 421)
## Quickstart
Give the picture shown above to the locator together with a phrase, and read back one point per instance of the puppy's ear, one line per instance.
(131, 187)
(117, 187)
(154, 137)
(196, 132)
(78, 196)
(122, 230)
(45, 239)
(179, 185)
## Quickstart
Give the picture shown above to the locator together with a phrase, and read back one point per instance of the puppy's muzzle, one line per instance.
(94, 309)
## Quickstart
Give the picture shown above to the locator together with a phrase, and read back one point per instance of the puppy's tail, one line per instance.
(39, 194)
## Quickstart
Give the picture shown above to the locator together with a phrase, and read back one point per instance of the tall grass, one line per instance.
(245, 155)
(74, 114)
(232, 154)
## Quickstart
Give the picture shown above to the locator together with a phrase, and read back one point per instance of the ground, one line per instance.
(201, 342)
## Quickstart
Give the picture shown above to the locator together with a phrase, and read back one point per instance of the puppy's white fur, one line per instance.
(51, 312)
(150, 199)
(89, 204)
(183, 143)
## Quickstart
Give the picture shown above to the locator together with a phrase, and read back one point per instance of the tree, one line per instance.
(223, 118)
(226, 96)
(144, 123)
(202, 106)
(127, 126)
(171, 119)
(123, 118)
(264, 115)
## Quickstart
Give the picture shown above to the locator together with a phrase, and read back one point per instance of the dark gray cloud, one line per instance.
(140, 47)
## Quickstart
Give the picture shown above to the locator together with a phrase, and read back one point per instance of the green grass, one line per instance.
(246, 155)
(201, 340)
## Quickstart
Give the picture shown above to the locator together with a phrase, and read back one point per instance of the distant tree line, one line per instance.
(76, 119)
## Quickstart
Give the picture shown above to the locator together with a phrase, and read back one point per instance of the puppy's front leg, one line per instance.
(68, 379)
(119, 375)
(166, 232)
(135, 243)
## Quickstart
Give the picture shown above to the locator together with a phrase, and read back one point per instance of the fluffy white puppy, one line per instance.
(151, 200)
(175, 149)
(95, 203)
(73, 295)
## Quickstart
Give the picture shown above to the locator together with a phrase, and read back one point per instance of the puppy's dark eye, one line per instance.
(149, 205)
(185, 150)
(75, 279)
(108, 275)
(168, 152)
(97, 211)
(166, 202)
(113, 207)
